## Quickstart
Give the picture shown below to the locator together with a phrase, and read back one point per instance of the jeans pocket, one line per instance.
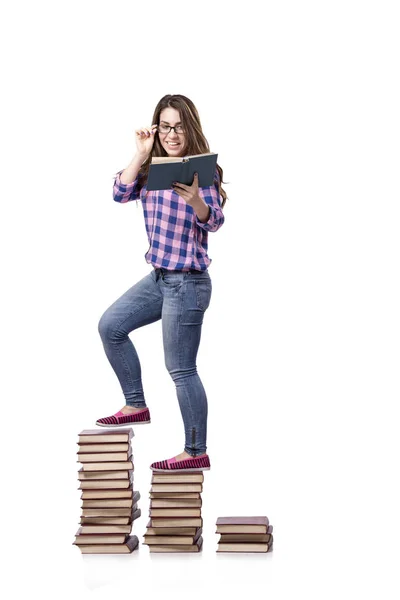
(203, 293)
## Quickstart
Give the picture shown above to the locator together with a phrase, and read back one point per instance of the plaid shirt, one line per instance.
(178, 240)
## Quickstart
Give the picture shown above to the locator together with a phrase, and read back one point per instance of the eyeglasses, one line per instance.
(167, 129)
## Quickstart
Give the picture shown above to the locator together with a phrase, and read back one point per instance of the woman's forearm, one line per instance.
(131, 172)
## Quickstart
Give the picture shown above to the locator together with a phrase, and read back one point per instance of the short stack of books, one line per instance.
(244, 534)
(175, 512)
(109, 502)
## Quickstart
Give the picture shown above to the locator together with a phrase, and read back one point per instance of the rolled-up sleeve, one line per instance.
(213, 198)
(125, 192)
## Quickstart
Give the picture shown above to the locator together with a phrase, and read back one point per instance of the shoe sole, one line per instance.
(180, 470)
(122, 424)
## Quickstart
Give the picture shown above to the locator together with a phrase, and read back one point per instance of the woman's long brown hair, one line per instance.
(196, 142)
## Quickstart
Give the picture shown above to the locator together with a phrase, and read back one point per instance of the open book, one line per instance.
(164, 170)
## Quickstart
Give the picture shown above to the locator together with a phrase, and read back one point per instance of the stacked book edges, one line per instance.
(244, 534)
(175, 513)
(109, 501)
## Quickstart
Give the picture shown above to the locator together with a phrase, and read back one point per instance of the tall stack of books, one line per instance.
(109, 502)
(244, 534)
(175, 512)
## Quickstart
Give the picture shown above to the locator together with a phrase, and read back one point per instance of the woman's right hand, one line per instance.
(145, 140)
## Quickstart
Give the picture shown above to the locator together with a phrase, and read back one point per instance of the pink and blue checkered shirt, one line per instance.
(178, 240)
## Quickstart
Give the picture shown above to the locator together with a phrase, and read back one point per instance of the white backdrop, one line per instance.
(300, 345)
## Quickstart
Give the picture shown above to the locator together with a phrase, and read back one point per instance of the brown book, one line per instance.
(182, 495)
(190, 531)
(178, 548)
(107, 520)
(243, 538)
(108, 466)
(254, 547)
(177, 478)
(175, 512)
(106, 512)
(176, 522)
(108, 503)
(97, 475)
(106, 484)
(104, 494)
(106, 529)
(108, 436)
(96, 457)
(176, 487)
(175, 503)
(242, 524)
(131, 543)
(90, 448)
(162, 540)
(98, 538)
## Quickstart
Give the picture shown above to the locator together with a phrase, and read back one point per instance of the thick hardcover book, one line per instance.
(131, 543)
(82, 538)
(105, 494)
(106, 484)
(176, 487)
(86, 457)
(96, 436)
(177, 478)
(164, 170)
(250, 547)
(123, 447)
(162, 540)
(242, 524)
(175, 503)
(96, 475)
(157, 531)
(178, 548)
(176, 522)
(106, 512)
(176, 495)
(106, 529)
(175, 512)
(108, 503)
(111, 520)
(108, 466)
(244, 538)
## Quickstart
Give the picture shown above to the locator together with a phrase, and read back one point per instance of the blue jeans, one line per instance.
(179, 299)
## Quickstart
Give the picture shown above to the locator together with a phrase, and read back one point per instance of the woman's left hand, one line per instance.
(190, 193)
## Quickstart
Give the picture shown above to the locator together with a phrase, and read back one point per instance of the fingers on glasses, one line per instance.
(146, 131)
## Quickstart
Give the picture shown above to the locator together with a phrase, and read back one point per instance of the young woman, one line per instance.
(178, 288)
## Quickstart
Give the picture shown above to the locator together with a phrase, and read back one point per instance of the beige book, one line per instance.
(174, 495)
(109, 436)
(104, 494)
(162, 540)
(108, 503)
(106, 512)
(93, 475)
(131, 543)
(175, 512)
(96, 457)
(176, 487)
(178, 548)
(104, 447)
(91, 529)
(170, 522)
(175, 503)
(98, 538)
(243, 547)
(107, 466)
(112, 520)
(106, 484)
(177, 478)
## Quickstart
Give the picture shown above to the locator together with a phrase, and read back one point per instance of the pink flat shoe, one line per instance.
(121, 420)
(196, 463)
